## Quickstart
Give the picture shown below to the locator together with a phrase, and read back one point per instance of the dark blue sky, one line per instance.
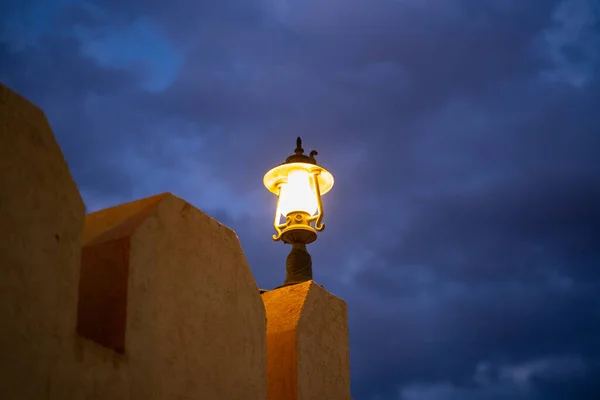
(464, 136)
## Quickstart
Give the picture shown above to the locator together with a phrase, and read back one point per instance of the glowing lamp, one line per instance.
(299, 184)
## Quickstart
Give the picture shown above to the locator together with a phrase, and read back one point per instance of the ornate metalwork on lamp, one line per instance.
(299, 184)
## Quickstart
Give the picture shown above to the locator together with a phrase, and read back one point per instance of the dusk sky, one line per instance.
(463, 229)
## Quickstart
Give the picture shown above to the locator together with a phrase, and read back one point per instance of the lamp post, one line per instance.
(299, 184)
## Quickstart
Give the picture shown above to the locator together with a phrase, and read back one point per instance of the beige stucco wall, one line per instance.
(195, 321)
(41, 219)
(194, 324)
(151, 299)
(307, 344)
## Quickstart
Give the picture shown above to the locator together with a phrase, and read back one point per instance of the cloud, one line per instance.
(572, 42)
(463, 226)
(520, 381)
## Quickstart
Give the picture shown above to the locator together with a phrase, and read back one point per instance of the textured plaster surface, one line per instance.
(41, 216)
(323, 348)
(191, 323)
(104, 276)
(195, 325)
(161, 294)
(307, 344)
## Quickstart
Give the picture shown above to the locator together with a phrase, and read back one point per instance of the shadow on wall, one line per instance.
(151, 299)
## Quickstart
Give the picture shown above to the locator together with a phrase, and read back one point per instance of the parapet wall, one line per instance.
(41, 220)
(151, 299)
(307, 343)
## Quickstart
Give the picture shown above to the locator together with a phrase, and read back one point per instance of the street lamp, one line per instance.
(299, 184)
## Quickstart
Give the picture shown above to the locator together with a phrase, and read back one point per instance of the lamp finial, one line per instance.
(299, 150)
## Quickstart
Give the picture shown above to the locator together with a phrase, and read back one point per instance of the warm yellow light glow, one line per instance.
(299, 187)
(297, 194)
(279, 174)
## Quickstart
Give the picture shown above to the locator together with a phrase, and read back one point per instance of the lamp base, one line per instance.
(298, 229)
(298, 265)
(299, 235)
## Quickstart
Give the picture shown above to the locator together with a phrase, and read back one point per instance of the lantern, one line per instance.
(299, 184)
